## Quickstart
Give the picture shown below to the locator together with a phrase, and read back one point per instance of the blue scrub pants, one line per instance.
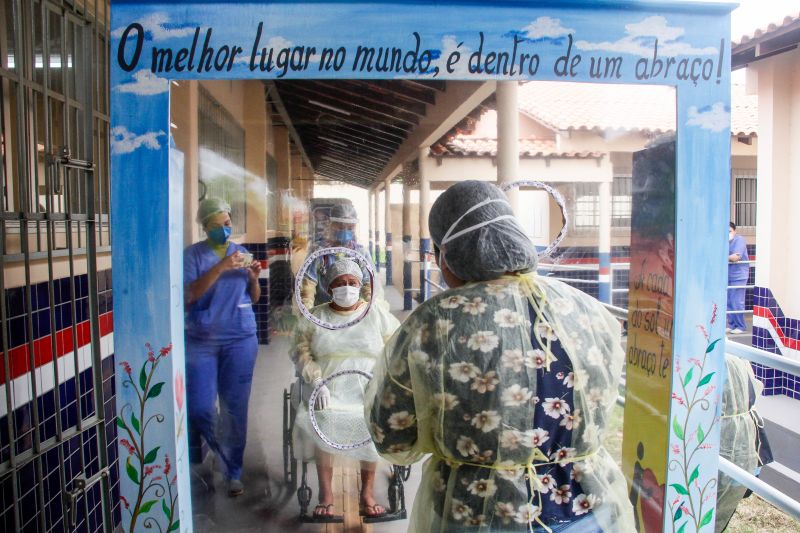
(736, 303)
(227, 370)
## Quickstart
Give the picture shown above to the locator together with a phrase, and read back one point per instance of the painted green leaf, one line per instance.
(711, 346)
(705, 379)
(146, 506)
(677, 428)
(701, 436)
(707, 518)
(143, 377)
(678, 513)
(132, 472)
(135, 424)
(120, 423)
(154, 391)
(680, 489)
(165, 508)
(175, 526)
(688, 377)
(695, 473)
(682, 528)
(151, 455)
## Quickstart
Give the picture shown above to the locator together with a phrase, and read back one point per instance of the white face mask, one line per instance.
(346, 296)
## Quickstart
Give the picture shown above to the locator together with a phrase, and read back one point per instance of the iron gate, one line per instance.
(57, 449)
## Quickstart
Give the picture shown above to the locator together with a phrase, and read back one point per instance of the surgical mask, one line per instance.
(220, 235)
(346, 296)
(344, 235)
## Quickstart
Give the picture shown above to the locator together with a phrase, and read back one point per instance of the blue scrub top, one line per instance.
(738, 271)
(225, 312)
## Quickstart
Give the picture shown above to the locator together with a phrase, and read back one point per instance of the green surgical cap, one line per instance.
(210, 207)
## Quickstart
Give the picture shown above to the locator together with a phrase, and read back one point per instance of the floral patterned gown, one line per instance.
(480, 380)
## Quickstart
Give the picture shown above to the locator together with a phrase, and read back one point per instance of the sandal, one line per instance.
(372, 511)
(323, 511)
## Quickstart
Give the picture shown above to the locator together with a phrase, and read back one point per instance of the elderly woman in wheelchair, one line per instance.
(317, 353)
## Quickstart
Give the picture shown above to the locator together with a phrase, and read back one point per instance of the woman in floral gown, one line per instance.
(507, 380)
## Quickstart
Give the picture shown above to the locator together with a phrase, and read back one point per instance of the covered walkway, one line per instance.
(268, 504)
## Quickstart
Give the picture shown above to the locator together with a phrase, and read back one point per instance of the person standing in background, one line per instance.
(220, 286)
(738, 273)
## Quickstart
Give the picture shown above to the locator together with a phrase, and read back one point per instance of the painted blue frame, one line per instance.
(147, 195)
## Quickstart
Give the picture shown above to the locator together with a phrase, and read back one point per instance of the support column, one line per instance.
(424, 234)
(508, 138)
(371, 224)
(388, 228)
(376, 210)
(604, 248)
(407, 284)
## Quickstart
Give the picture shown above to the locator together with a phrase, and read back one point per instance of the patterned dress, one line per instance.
(479, 379)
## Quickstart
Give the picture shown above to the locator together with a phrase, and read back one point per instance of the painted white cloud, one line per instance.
(144, 83)
(124, 141)
(546, 27)
(450, 45)
(640, 37)
(157, 24)
(716, 118)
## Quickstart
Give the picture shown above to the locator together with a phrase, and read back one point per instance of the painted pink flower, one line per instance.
(686, 510)
(126, 367)
(125, 502)
(151, 357)
(148, 470)
(678, 399)
(165, 350)
(676, 450)
(150, 352)
(675, 501)
(709, 390)
(704, 446)
(696, 362)
(704, 332)
(128, 446)
(167, 465)
(678, 366)
(157, 478)
(174, 479)
(180, 390)
(713, 313)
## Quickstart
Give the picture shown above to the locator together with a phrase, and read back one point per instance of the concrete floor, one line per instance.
(267, 504)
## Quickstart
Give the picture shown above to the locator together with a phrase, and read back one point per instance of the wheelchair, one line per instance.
(400, 474)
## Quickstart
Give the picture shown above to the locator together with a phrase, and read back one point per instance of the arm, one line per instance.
(197, 288)
(390, 403)
(308, 291)
(253, 272)
(301, 355)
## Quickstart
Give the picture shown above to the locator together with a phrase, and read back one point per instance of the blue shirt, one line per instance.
(738, 271)
(225, 312)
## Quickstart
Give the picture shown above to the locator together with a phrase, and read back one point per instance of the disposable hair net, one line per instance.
(210, 207)
(739, 434)
(473, 225)
(317, 353)
(340, 268)
(461, 381)
(344, 214)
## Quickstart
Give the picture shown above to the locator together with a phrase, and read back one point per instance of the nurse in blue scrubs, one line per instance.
(221, 286)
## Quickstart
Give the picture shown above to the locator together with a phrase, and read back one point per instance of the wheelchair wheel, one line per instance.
(289, 461)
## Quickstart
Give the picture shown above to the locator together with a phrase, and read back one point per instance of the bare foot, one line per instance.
(369, 507)
(323, 510)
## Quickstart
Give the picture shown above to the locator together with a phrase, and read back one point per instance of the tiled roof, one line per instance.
(744, 112)
(787, 21)
(587, 106)
(483, 146)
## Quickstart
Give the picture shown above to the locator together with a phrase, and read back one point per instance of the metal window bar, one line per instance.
(49, 213)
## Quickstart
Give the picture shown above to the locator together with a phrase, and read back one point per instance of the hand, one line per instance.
(229, 262)
(323, 395)
(254, 270)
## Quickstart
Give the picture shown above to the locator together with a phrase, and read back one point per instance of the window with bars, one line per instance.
(587, 206)
(221, 156)
(744, 197)
(621, 189)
